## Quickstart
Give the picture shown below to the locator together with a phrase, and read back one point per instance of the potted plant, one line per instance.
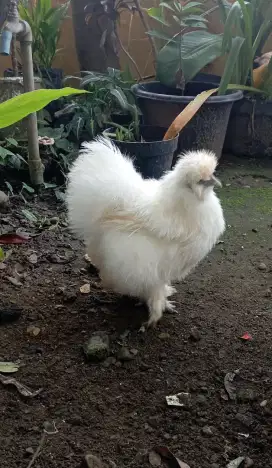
(248, 25)
(178, 63)
(110, 104)
(45, 21)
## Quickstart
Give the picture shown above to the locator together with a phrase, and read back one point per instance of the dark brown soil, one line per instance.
(117, 410)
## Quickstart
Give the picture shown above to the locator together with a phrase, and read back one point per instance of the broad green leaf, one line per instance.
(8, 367)
(197, 49)
(4, 152)
(12, 141)
(157, 14)
(19, 107)
(28, 188)
(30, 216)
(159, 35)
(166, 5)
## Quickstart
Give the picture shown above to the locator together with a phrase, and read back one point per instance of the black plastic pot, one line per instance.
(249, 130)
(52, 79)
(152, 157)
(160, 105)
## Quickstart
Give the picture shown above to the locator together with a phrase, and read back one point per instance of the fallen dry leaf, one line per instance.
(180, 399)
(22, 389)
(246, 337)
(8, 367)
(14, 281)
(229, 386)
(14, 238)
(85, 289)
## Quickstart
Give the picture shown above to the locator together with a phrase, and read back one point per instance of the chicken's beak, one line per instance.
(212, 182)
(216, 182)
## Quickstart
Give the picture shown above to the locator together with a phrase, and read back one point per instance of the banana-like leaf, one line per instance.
(19, 107)
(231, 62)
(232, 27)
(191, 54)
(187, 114)
(191, 109)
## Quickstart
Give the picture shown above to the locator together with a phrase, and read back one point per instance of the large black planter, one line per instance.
(207, 129)
(249, 131)
(153, 156)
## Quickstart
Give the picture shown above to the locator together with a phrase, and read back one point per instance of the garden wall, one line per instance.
(132, 36)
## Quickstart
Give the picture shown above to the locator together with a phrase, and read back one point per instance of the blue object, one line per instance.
(6, 38)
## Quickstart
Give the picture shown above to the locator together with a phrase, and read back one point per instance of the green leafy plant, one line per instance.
(109, 95)
(11, 154)
(247, 26)
(179, 47)
(245, 33)
(45, 21)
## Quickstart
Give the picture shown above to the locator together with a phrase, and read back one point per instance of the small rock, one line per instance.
(254, 230)
(248, 462)
(125, 355)
(4, 200)
(33, 331)
(69, 296)
(195, 335)
(29, 451)
(134, 351)
(164, 336)
(207, 430)
(263, 403)
(97, 348)
(246, 394)
(33, 258)
(90, 461)
(262, 267)
(268, 292)
(109, 361)
(154, 459)
(85, 288)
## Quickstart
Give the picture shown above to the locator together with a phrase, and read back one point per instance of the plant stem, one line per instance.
(37, 453)
(129, 57)
(146, 28)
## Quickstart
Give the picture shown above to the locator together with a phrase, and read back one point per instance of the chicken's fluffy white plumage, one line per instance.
(144, 234)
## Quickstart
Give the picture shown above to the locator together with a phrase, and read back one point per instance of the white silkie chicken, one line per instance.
(144, 234)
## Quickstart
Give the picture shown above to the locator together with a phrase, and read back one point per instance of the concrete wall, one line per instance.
(133, 38)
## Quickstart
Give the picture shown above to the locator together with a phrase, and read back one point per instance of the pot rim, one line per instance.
(141, 142)
(140, 92)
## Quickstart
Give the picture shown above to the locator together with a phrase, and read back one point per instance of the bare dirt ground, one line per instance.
(116, 409)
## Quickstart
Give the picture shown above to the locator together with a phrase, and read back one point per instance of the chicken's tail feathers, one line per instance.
(100, 143)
